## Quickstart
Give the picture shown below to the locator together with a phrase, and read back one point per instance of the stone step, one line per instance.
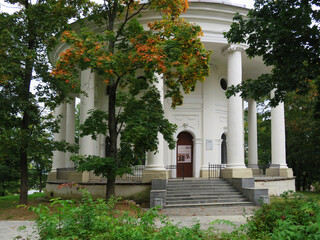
(199, 185)
(197, 182)
(225, 204)
(207, 199)
(200, 191)
(226, 195)
(211, 188)
(191, 201)
(203, 193)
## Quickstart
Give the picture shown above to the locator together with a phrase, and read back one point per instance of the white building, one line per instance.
(210, 126)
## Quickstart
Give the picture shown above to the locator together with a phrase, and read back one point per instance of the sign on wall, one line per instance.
(184, 153)
(209, 144)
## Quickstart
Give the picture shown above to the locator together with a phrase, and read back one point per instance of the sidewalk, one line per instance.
(182, 216)
(205, 215)
(9, 230)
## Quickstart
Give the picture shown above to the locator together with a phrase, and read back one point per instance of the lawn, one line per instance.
(303, 193)
(9, 207)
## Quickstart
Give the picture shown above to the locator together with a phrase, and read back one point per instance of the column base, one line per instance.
(204, 173)
(148, 175)
(52, 176)
(279, 172)
(256, 171)
(236, 173)
(69, 176)
(82, 177)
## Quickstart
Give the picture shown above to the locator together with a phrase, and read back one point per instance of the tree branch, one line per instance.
(128, 18)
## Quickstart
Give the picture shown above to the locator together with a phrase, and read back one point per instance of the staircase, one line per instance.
(196, 192)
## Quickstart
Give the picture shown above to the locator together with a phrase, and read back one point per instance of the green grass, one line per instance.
(304, 193)
(11, 201)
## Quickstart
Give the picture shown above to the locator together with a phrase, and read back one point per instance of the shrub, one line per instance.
(99, 220)
(316, 186)
(296, 217)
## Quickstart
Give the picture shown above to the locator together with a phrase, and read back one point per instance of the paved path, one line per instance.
(183, 216)
(9, 230)
(205, 215)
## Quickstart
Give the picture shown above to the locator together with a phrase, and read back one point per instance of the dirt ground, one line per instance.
(21, 213)
(16, 213)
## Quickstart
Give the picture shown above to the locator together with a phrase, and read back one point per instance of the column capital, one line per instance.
(230, 48)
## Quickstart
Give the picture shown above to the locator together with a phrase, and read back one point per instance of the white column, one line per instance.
(174, 160)
(235, 143)
(155, 160)
(70, 131)
(278, 137)
(58, 160)
(197, 156)
(87, 145)
(252, 134)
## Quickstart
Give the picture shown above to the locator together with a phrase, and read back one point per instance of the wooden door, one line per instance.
(185, 155)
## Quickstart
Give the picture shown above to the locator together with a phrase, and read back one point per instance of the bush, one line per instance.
(316, 186)
(99, 220)
(295, 217)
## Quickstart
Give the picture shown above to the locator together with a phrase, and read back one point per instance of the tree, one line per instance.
(25, 36)
(302, 134)
(171, 49)
(287, 36)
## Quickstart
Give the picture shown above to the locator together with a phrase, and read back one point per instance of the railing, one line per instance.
(215, 170)
(177, 168)
(135, 175)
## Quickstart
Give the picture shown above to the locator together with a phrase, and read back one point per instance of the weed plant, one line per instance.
(99, 220)
(296, 217)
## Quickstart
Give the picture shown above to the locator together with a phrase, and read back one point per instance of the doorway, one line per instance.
(224, 158)
(185, 155)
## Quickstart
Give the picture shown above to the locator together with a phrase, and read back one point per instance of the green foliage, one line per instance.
(130, 60)
(296, 217)
(264, 134)
(302, 137)
(11, 201)
(316, 186)
(25, 118)
(286, 35)
(98, 219)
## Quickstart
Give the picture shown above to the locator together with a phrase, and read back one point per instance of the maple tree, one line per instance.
(170, 48)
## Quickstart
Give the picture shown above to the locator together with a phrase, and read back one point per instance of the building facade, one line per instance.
(210, 126)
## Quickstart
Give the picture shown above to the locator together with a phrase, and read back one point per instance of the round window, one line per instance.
(223, 84)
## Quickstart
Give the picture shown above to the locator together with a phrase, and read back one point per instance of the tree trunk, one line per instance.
(112, 121)
(23, 176)
(40, 181)
(25, 96)
(110, 188)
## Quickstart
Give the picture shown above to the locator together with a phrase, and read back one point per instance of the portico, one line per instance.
(205, 116)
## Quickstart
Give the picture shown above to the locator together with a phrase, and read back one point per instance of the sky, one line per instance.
(6, 7)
